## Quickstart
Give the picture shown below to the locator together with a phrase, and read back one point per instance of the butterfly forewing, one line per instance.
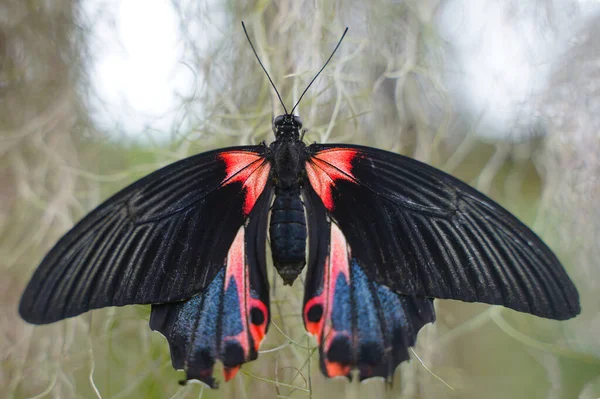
(419, 231)
(162, 239)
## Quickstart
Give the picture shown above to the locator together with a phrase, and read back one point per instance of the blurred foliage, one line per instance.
(385, 88)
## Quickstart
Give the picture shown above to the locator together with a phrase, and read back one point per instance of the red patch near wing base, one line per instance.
(250, 169)
(325, 167)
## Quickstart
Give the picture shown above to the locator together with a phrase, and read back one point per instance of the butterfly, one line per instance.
(380, 234)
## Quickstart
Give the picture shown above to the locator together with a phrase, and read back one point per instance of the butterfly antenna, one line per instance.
(264, 69)
(321, 70)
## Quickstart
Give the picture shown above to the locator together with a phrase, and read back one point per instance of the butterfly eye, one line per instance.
(278, 120)
(297, 121)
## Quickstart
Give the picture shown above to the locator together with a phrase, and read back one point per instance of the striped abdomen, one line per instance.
(288, 233)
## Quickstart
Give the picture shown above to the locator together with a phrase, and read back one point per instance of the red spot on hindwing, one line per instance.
(250, 169)
(335, 369)
(326, 167)
(258, 331)
(230, 372)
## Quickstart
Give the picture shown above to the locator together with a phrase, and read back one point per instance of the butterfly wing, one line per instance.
(387, 234)
(358, 322)
(230, 318)
(162, 239)
(420, 231)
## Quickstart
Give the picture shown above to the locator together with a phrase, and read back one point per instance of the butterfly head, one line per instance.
(287, 127)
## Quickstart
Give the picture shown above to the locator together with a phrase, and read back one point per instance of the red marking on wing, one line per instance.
(327, 166)
(230, 372)
(250, 169)
(335, 264)
(236, 260)
(336, 369)
(258, 331)
(315, 327)
(338, 264)
(238, 270)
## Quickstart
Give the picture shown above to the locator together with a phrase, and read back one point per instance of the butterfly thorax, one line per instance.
(287, 229)
(288, 162)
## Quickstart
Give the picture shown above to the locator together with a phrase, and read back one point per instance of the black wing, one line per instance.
(230, 318)
(162, 239)
(358, 322)
(420, 231)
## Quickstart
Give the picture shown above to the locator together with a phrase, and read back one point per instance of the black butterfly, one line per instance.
(386, 234)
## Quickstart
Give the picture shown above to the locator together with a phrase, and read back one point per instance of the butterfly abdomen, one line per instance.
(288, 233)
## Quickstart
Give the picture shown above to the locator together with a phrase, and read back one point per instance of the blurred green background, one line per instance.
(504, 95)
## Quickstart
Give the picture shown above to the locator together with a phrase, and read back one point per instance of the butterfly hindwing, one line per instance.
(230, 318)
(420, 231)
(161, 239)
(358, 322)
